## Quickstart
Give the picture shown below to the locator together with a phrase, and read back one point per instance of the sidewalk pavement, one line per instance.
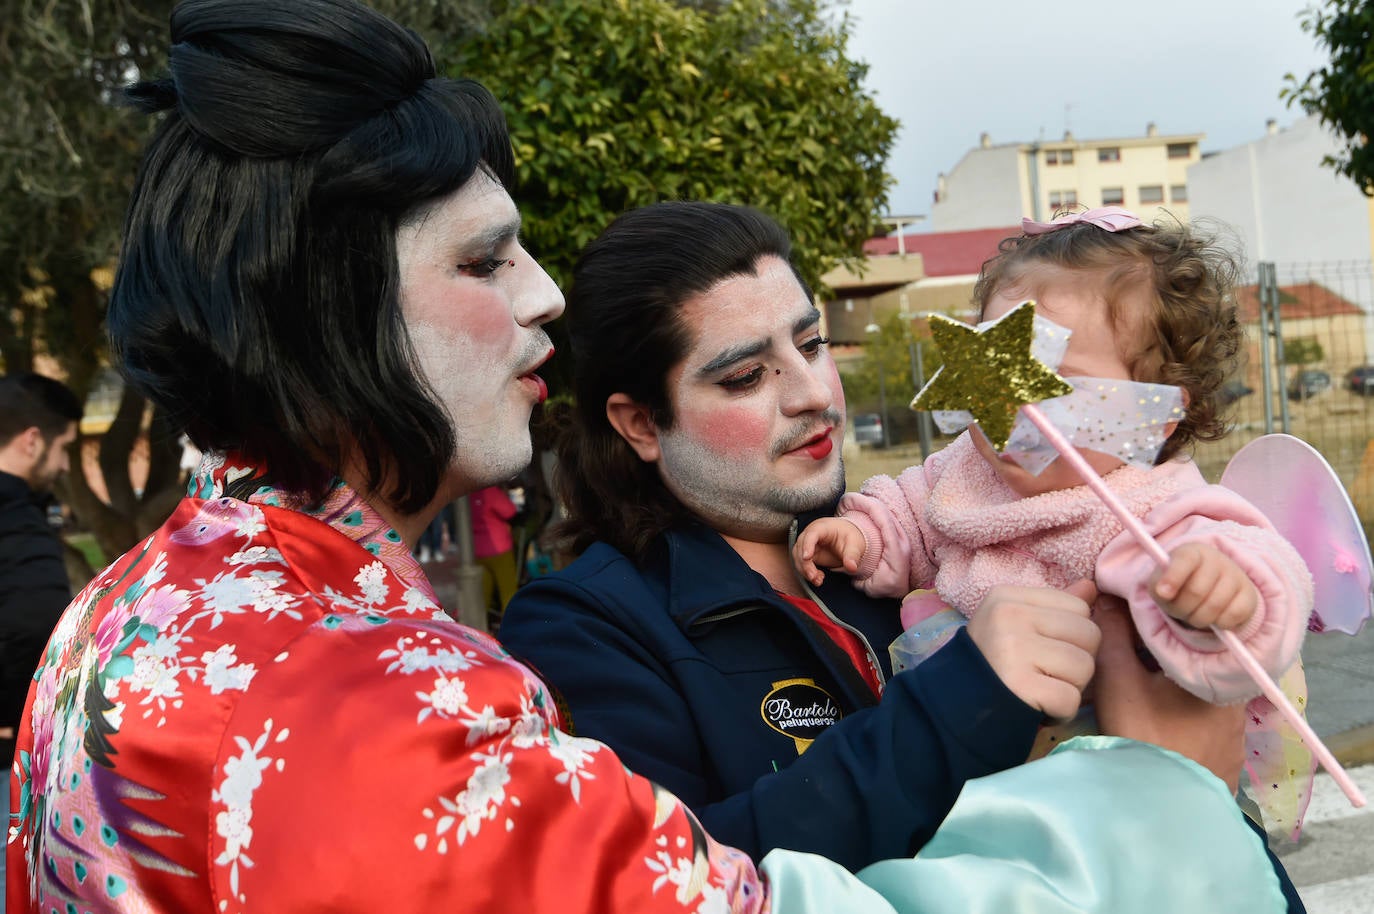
(1340, 687)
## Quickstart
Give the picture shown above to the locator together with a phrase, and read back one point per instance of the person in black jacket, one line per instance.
(710, 414)
(38, 418)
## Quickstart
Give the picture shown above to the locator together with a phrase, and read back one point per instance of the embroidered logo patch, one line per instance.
(800, 709)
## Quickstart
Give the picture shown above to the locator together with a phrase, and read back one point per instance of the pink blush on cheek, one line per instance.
(730, 432)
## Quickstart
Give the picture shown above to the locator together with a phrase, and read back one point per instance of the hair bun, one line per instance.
(268, 81)
(152, 96)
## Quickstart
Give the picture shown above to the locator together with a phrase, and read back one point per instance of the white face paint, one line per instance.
(758, 408)
(474, 303)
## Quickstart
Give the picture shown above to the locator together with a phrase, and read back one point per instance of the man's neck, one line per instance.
(15, 464)
(773, 560)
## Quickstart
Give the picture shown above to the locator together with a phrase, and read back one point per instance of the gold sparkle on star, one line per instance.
(989, 373)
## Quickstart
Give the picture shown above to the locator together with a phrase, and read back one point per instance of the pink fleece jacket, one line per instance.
(951, 524)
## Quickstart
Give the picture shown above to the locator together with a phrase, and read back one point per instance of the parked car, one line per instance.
(1232, 391)
(868, 429)
(1360, 379)
(1308, 383)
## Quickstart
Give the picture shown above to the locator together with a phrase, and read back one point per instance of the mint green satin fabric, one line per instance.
(1102, 824)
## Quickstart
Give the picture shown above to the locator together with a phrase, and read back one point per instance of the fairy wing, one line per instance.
(1287, 479)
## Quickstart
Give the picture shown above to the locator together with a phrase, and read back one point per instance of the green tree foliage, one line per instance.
(69, 159)
(70, 153)
(888, 352)
(1302, 350)
(617, 103)
(612, 105)
(1342, 92)
(67, 168)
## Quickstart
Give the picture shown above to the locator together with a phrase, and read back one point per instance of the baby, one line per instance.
(1151, 304)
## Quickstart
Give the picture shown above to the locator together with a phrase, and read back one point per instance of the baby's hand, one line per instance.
(1202, 587)
(829, 542)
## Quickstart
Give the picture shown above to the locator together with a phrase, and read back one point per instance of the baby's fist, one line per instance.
(1202, 587)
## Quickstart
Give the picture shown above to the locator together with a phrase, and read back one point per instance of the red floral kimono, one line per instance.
(260, 709)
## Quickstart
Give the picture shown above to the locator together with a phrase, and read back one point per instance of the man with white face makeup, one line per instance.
(260, 707)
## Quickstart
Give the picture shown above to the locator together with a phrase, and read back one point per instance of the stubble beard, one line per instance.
(716, 496)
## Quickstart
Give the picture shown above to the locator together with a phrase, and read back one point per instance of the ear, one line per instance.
(634, 423)
(32, 441)
(1173, 426)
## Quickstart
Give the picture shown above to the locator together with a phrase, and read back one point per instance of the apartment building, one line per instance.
(1284, 205)
(997, 184)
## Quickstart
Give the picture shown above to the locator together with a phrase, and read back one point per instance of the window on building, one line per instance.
(1152, 193)
(1178, 193)
(1059, 157)
(1060, 199)
(1109, 154)
(1180, 150)
(1112, 196)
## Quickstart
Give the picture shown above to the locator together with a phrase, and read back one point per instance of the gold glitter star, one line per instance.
(989, 373)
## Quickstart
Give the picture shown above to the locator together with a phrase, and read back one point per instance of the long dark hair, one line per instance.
(628, 289)
(257, 292)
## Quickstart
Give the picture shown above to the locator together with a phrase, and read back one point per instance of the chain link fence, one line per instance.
(1309, 369)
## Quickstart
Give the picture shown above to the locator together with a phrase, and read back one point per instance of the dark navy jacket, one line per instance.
(33, 593)
(704, 680)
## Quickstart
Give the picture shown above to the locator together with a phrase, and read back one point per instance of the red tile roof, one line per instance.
(945, 253)
(1309, 299)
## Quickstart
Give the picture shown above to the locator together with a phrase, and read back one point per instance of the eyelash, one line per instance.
(748, 379)
(486, 267)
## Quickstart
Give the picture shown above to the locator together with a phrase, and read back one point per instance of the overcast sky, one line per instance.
(1021, 70)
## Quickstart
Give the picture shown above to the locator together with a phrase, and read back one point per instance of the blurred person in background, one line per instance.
(493, 544)
(38, 423)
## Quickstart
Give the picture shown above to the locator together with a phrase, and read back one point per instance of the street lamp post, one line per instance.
(872, 329)
(918, 375)
(472, 608)
(915, 348)
(882, 403)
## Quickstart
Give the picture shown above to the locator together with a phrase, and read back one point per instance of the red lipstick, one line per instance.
(820, 449)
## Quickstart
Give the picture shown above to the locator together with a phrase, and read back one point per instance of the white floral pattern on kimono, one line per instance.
(262, 708)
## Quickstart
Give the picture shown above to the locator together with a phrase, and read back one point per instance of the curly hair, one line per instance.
(1194, 339)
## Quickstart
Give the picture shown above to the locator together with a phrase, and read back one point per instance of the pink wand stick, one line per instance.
(1229, 639)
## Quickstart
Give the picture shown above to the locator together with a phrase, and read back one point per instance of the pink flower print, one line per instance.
(109, 631)
(160, 605)
(44, 726)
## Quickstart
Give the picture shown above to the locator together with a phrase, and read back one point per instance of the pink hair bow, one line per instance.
(1107, 218)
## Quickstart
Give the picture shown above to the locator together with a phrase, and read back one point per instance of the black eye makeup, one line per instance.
(486, 266)
(744, 380)
(750, 378)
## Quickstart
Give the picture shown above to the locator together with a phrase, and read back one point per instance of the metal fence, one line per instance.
(1309, 369)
